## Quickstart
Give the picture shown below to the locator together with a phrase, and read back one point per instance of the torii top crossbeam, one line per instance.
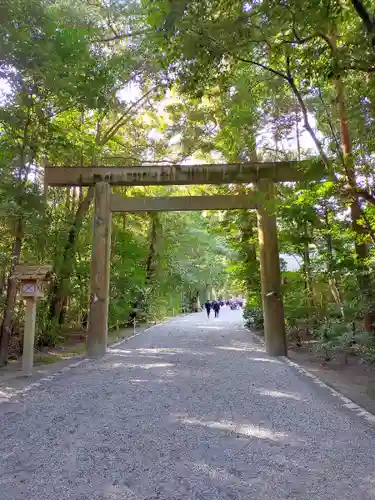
(231, 173)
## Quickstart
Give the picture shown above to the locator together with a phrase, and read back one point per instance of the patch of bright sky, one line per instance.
(132, 93)
(289, 144)
(5, 91)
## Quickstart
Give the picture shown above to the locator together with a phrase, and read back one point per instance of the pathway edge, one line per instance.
(346, 402)
(8, 393)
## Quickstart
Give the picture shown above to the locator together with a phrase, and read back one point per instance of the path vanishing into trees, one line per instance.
(191, 409)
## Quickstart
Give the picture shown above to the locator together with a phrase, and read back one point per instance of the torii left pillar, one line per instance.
(97, 333)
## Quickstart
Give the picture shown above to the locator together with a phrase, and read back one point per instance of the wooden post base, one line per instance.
(29, 336)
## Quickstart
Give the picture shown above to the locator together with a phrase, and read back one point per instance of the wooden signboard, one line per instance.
(32, 279)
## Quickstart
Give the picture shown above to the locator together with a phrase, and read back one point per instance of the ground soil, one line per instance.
(354, 379)
(351, 376)
(48, 360)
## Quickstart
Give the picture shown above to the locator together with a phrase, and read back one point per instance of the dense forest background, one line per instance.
(90, 82)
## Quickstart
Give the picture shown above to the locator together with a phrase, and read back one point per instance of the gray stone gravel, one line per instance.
(193, 409)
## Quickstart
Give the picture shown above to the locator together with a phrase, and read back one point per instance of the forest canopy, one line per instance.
(93, 82)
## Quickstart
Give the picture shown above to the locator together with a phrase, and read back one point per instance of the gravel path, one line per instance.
(193, 409)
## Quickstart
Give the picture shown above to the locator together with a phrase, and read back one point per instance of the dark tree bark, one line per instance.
(60, 285)
(139, 303)
(367, 21)
(365, 281)
(307, 269)
(247, 225)
(6, 325)
(152, 250)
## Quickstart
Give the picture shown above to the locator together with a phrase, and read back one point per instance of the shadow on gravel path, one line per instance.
(193, 409)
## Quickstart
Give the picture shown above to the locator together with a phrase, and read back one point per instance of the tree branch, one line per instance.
(304, 111)
(239, 58)
(364, 15)
(364, 194)
(120, 121)
(122, 36)
(330, 125)
(364, 69)
(301, 41)
(356, 66)
(289, 78)
(260, 65)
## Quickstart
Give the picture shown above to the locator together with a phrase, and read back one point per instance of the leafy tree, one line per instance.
(141, 82)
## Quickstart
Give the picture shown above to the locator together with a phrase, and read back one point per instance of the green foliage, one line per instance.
(337, 337)
(253, 316)
(48, 332)
(245, 81)
(297, 308)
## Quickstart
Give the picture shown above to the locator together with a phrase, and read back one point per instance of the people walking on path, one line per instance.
(207, 306)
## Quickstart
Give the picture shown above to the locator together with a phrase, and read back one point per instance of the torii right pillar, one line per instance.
(273, 310)
(100, 269)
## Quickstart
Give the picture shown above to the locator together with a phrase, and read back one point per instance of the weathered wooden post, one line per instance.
(100, 270)
(196, 304)
(29, 335)
(273, 310)
(32, 279)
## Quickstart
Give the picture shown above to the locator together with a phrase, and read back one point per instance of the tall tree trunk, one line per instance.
(140, 302)
(27, 155)
(68, 199)
(247, 224)
(6, 326)
(306, 251)
(60, 286)
(307, 269)
(152, 249)
(334, 285)
(2, 282)
(361, 248)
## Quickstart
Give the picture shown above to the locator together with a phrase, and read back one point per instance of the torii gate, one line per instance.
(262, 174)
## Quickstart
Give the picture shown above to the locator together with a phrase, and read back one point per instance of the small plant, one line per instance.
(49, 334)
(48, 359)
(337, 337)
(253, 316)
(369, 352)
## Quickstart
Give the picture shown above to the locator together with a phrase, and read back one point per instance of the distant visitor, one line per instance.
(207, 306)
(216, 308)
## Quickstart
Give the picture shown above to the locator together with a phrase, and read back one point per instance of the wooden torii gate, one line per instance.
(262, 174)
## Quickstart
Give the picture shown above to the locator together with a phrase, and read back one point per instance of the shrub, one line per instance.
(335, 336)
(253, 316)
